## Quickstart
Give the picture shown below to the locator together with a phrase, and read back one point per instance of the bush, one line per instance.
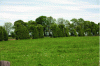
(5, 35)
(40, 30)
(61, 30)
(89, 32)
(54, 30)
(12, 34)
(73, 32)
(35, 33)
(67, 32)
(21, 32)
(1, 34)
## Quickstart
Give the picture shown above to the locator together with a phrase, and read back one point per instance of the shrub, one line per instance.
(5, 35)
(21, 32)
(54, 30)
(35, 33)
(73, 32)
(61, 30)
(67, 32)
(12, 34)
(1, 34)
(40, 30)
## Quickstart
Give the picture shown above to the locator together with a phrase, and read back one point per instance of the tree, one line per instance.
(8, 27)
(60, 21)
(54, 30)
(41, 20)
(12, 34)
(21, 32)
(40, 30)
(73, 32)
(5, 35)
(74, 21)
(35, 33)
(61, 30)
(19, 21)
(67, 32)
(1, 33)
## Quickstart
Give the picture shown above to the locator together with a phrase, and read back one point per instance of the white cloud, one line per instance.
(73, 9)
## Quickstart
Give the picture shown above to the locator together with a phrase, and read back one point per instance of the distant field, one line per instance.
(63, 51)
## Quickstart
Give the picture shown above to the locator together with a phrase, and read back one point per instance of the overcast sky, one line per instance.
(12, 10)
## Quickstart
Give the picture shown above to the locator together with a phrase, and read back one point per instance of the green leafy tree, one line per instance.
(21, 32)
(73, 32)
(35, 33)
(61, 30)
(67, 32)
(13, 34)
(19, 21)
(5, 35)
(89, 32)
(8, 27)
(1, 33)
(40, 30)
(54, 30)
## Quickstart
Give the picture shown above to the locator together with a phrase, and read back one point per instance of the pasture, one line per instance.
(62, 51)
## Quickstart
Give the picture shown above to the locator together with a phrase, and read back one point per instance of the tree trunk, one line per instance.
(4, 63)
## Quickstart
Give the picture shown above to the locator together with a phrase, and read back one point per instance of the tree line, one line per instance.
(49, 26)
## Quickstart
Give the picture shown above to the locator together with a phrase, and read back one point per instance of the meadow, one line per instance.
(62, 51)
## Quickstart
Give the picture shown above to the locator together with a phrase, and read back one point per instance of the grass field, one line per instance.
(63, 51)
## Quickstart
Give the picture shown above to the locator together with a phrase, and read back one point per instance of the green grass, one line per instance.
(63, 51)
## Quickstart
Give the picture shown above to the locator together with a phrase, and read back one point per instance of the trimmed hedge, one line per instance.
(3, 34)
(21, 32)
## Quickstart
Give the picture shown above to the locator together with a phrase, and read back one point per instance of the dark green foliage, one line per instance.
(21, 32)
(54, 30)
(40, 30)
(5, 35)
(1, 34)
(61, 30)
(81, 32)
(94, 32)
(67, 32)
(41, 20)
(18, 21)
(89, 32)
(12, 34)
(73, 32)
(35, 33)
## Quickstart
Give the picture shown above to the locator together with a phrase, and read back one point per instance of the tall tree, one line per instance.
(74, 21)
(61, 21)
(8, 27)
(19, 21)
(21, 31)
(1, 33)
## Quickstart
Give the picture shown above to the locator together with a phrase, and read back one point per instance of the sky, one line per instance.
(13, 10)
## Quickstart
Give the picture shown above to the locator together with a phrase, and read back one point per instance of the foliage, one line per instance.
(13, 35)
(8, 27)
(73, 32)
(35, 33)
(61, 30)
(40, 30)
(1, 33)
(5, 35)
(54, 30)
(67, 32)
(21, 32)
